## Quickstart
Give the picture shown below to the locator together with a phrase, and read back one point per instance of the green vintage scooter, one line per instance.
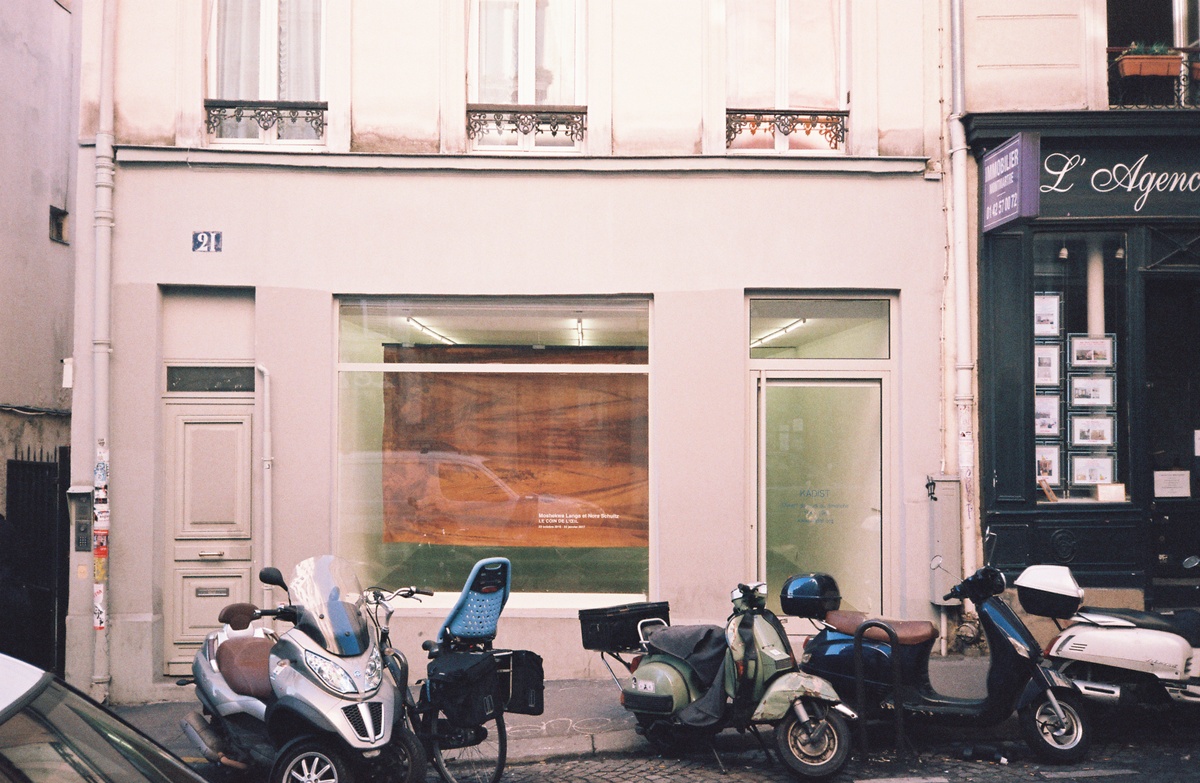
(690, 682)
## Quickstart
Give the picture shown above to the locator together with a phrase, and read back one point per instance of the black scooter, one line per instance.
(1052, 718)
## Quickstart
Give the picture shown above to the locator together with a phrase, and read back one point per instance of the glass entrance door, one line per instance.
(1173, 438)
(820, 493)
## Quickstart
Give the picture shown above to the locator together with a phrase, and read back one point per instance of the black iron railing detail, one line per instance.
(828, 123)
(266, 114)
(570, 121)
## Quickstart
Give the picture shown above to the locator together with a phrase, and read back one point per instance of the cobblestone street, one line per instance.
(1159, 747)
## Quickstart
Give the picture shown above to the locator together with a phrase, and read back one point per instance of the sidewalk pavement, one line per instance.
(582, 717)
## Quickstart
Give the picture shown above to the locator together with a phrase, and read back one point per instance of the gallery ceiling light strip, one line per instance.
(780, 332)
(423, 329)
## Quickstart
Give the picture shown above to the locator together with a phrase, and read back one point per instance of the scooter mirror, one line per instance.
(935, 563)
(271, 576)
(1191, 562)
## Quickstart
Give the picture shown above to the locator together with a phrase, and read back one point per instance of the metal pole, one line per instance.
(103, 220)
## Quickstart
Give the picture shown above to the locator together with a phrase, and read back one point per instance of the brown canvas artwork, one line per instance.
(516, 459)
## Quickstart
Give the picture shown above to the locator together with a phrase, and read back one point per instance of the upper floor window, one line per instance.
(265, 71)
(783, 85)
(525, 83)
(1153, 54)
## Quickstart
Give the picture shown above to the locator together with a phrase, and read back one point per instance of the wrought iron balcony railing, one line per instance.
(570, 121)
(829, 124)
(1156, 82)
(266, 114)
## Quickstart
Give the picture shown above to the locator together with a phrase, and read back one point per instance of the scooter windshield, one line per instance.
(329, 596)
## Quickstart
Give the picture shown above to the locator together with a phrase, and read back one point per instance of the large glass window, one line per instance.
(525, 86)
(819, 329)
(783, 82)
(1079, 339)
(483, 427)
(265, 70)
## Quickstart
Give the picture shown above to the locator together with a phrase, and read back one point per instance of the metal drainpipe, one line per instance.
(268, 459)
(103, 219)
(964, 365)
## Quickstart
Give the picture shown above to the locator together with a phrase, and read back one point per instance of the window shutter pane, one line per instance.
(750, 54)
(812, 55)
(300, 50)
(238, 50)
(497, 51)
(555, 53)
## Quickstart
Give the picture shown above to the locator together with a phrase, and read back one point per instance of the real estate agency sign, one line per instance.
(1011, 181)
(1148, 178)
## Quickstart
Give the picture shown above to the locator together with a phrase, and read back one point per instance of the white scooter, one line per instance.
(1125, 656)
(313, 703)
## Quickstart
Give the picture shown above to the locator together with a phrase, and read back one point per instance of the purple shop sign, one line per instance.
(1010, 181)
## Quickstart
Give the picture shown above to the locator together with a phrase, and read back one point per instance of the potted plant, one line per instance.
(1154, 60)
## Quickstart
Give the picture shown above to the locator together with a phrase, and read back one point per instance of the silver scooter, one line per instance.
(313, 703)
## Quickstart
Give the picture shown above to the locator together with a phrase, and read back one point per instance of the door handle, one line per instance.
(217, 554)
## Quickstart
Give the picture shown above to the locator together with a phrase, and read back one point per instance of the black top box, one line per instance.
(615, 628)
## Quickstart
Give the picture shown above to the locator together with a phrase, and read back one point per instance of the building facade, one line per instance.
(39, 60)
(651, 298)
(1088, 425)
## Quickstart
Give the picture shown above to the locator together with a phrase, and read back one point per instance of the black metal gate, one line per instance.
(35, 541)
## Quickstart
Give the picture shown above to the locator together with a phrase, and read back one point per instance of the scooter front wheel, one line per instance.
(1051, 741)
(401, 761)
(474, 755)
(818, 748)
(310, 760)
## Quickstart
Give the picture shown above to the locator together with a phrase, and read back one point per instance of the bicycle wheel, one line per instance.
(474, 755)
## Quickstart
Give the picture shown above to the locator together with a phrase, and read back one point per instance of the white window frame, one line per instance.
(526, 78)
(268, 75)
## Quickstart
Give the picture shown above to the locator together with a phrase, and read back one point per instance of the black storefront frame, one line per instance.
(1105, 544)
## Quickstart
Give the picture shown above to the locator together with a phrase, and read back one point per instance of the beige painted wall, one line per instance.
(1035, 55)
(396, 75)
(36, 158)
(695, 241)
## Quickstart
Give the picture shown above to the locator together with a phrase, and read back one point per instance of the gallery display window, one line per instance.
(513, 427)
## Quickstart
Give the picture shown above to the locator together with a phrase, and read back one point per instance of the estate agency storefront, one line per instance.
(1089, 314)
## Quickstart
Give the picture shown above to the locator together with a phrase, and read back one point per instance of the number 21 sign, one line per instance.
(206, 241)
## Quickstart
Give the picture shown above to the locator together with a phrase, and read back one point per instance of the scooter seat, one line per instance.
(245, 663)
(1185, 623)
(907, 631)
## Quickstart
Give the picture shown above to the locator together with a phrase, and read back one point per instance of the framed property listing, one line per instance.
(1047, 415)
(1046, 364)
(1092, 430)
(1093, 469)
(1048, 461)
(1092, 391)
(1047, 315)
(1085, 351)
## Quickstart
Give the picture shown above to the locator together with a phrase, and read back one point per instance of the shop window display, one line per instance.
(1078, 334)
(499, 427)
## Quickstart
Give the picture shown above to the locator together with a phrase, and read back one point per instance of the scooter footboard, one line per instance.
(786, 688)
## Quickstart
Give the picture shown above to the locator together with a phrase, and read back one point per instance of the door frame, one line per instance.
(892, 529)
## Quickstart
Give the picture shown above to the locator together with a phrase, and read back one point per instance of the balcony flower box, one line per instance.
(1150, 64)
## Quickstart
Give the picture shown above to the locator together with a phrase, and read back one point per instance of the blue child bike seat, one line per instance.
(474, 616)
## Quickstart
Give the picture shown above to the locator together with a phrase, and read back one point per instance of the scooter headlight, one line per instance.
(374, 669)
(334, 676)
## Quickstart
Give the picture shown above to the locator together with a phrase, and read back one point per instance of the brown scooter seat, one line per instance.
(907, 631)
(245, 663)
